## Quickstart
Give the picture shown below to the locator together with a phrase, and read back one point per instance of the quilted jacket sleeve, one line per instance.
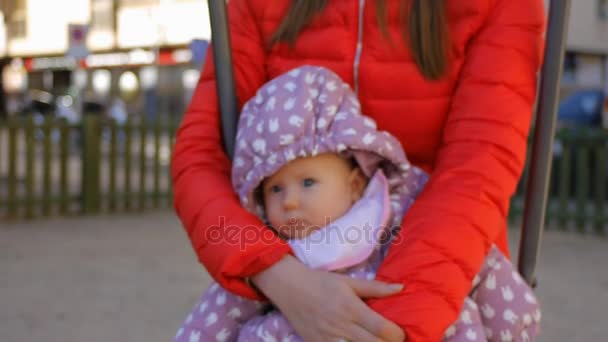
(230, 242)
(463, 209)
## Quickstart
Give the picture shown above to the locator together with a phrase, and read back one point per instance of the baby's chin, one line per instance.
(300, 231)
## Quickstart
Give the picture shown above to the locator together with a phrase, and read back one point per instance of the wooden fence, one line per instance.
(53, 168)
(578, 192)
(97, 166)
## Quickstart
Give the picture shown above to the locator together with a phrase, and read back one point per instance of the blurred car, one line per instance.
(582, 108)
(42, 105)
(64, 109)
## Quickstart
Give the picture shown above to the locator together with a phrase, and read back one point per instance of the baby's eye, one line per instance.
(275, 189)
(308, 182)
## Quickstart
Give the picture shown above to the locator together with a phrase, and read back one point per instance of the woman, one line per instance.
(454, 81)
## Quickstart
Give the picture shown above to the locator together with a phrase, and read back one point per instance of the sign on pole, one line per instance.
(77, 41)
(77, 49)
(198, 47)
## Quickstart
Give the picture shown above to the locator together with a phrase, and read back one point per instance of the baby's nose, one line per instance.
(290, 201)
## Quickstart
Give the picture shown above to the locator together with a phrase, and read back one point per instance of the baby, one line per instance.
(321, 175)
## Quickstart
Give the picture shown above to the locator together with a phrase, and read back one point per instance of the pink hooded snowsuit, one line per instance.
(309, 111)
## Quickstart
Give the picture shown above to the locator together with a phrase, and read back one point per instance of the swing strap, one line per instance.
(223, 73)
(542, 146)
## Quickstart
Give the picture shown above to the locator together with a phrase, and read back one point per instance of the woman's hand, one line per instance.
(324, 306)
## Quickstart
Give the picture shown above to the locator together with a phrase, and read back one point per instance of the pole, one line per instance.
(542, 148)
(223, 73)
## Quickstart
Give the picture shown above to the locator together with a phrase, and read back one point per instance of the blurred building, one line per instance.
(147, 52)
(137, 50)
(586, 62)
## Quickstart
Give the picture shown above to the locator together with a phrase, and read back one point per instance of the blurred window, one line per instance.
(602, 8)
(35, 80)
(589, 72)
(102, 15)
(570, 64)
(15, 18)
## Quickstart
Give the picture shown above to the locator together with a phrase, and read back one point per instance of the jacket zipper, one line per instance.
(359, 46)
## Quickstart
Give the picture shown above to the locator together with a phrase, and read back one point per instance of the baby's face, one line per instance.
(309, 193)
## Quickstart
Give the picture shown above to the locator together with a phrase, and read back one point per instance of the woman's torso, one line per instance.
(389, 85)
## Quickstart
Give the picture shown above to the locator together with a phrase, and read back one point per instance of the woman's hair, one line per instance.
(426, 31)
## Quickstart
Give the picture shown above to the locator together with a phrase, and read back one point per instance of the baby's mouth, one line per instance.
(295, 222)
(294, 228)
(295, 225)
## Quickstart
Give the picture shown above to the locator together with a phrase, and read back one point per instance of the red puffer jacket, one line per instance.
(468, 129)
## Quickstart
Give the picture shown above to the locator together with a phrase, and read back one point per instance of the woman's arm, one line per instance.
(463, 209)
(230, 242)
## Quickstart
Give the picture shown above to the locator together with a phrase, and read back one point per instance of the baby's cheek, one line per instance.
(323, 219)
(272, 218)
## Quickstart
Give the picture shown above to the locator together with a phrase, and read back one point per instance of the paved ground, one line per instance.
(133, 278)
